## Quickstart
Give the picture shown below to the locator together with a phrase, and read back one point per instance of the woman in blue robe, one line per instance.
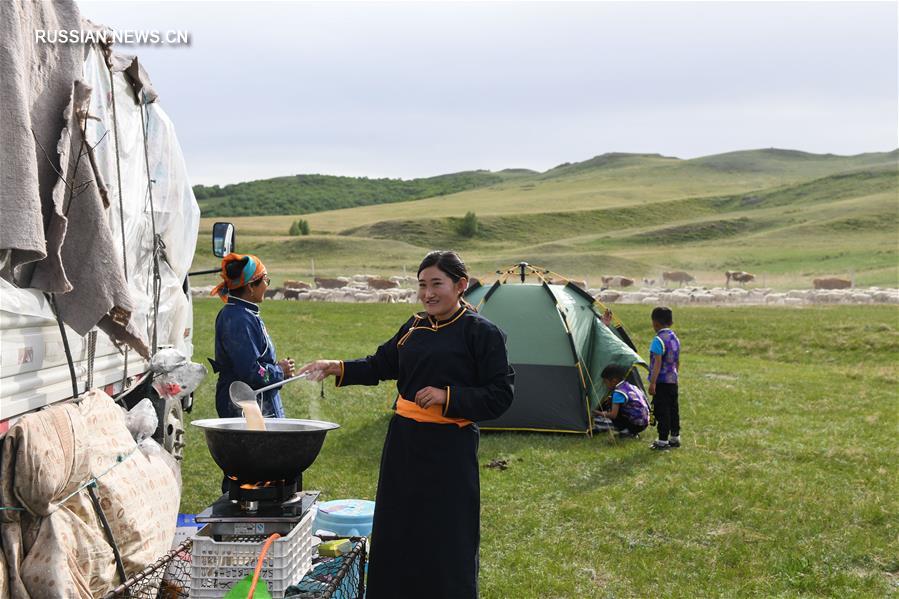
(243, 349)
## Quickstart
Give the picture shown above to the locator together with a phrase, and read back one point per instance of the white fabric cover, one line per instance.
(56, 547)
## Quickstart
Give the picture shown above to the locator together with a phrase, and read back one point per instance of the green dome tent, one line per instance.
(558, 347)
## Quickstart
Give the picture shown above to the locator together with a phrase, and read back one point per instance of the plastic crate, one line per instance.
(216, 566)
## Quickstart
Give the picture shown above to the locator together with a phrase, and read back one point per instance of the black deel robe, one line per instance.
(426, 528)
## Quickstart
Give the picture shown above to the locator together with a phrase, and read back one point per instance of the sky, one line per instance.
(416, 89)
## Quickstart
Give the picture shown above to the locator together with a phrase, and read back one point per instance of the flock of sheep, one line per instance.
(401, 289)
(357, 289)
(739, 276)
(754, 296)
(826, 290)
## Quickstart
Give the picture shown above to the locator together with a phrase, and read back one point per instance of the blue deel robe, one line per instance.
(244, 352)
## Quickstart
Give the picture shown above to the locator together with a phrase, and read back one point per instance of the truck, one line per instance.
(98, 224)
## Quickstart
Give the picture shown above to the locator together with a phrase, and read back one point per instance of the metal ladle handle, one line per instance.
(241, 392)
(281, 384)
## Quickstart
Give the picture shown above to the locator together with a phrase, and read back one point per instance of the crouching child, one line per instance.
(629, 411)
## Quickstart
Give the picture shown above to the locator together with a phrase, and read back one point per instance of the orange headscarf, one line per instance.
(252, 270)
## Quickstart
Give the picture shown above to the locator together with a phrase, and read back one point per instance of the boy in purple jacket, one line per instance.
(629, 411)
(664, 363)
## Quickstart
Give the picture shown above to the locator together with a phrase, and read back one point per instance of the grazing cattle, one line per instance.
(608, 296)
(677, 276)
(322, 283)
(297, 285)
(617, 281)
(740, 276)
(376, 283)
(649, 282)
(831, 283)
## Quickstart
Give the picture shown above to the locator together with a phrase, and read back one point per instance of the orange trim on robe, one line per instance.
(339, 381)
(411, 410)
(446, 405)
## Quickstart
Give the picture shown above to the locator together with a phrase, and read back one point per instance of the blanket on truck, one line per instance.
(54, 545)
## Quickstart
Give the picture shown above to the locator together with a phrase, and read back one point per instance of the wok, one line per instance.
(284, 450)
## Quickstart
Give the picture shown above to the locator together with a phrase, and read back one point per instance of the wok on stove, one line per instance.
(283, 451)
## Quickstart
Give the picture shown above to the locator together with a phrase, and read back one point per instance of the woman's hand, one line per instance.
(288, 366)
(430, 396)
(320, 369)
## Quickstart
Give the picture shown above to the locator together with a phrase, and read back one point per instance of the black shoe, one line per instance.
(656, 446)
(626, 434)
(673, 443)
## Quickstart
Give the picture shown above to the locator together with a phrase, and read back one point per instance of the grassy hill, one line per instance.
(774, 160)
(786, 216)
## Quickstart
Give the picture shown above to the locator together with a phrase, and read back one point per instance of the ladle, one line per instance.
(241, 392)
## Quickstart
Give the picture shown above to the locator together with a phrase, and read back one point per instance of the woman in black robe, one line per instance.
(452, 371)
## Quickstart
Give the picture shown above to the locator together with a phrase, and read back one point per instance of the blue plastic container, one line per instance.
(345, 517)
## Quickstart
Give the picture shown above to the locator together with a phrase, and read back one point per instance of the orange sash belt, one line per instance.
(411, 410)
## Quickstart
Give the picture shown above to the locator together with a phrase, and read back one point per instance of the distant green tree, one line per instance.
(469, 225)
(294, 228)
(303, 194)
(303, 226)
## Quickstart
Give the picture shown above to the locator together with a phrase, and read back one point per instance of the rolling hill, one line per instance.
(787, 216)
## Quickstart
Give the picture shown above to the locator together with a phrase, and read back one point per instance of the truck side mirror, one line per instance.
(223, 239)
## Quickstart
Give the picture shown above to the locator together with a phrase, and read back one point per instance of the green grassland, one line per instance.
(785, 485)
(786, 216)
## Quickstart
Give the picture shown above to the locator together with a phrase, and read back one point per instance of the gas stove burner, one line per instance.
(250, 493)
(228, 518)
